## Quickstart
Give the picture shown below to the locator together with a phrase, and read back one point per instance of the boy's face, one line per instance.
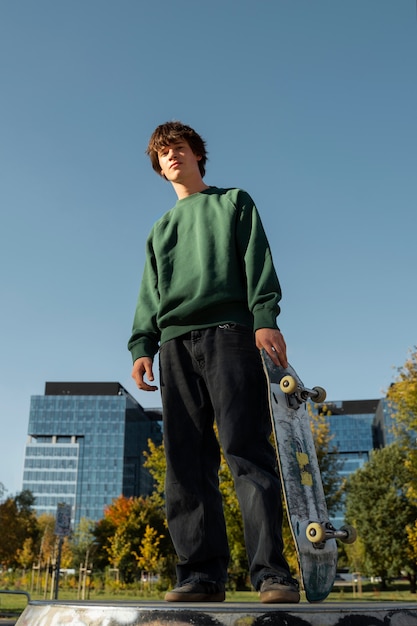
(178, 162)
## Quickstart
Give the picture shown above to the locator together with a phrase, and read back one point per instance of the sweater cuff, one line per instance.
(263, 317)
(143, 347)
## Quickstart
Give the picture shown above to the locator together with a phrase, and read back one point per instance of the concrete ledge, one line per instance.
(223, 614)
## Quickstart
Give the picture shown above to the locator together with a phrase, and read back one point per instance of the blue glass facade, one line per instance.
(85, 447)
(385, 424)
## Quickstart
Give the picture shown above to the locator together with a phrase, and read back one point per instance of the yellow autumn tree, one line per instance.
(149, 555)
(402, 396)
(156, 465)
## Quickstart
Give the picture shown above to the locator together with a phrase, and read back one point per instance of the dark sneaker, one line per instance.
(197, 591)
(276, 589)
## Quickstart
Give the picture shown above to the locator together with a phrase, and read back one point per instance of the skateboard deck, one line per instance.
(302, 487)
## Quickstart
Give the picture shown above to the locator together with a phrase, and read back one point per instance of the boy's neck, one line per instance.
(183, 190)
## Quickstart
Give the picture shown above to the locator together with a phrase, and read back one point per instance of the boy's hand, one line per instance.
(142, 367)
(272, 341)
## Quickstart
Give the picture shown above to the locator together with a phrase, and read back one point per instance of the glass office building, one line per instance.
(85, 447)
(385, 424)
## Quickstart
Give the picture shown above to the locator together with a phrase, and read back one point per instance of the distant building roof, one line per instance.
(349, 407)
(84, 389)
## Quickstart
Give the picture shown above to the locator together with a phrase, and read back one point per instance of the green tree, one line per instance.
(83, 543)
(376, 504)
(24, 502)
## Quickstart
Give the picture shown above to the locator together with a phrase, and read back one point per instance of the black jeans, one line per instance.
(217, 373)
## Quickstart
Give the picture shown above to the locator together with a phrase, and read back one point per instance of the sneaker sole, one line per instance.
(275, 597)
(177, 596)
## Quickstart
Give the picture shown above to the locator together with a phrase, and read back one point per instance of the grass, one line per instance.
(11, 604)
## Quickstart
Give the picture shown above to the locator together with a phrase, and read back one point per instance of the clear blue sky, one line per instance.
(309, 106)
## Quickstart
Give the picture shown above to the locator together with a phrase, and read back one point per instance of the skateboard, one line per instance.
(314, 535)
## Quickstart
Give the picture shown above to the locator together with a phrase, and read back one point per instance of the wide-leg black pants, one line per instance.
(217, 374)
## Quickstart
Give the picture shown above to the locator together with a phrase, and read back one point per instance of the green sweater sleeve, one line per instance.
(145, 336)
(263, 288)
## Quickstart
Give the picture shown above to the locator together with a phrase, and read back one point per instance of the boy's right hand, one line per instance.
(143, 367)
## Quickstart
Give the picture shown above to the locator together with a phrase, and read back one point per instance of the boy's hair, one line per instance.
(173, 132)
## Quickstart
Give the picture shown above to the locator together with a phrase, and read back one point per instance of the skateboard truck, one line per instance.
(320, 533)
(290, 386)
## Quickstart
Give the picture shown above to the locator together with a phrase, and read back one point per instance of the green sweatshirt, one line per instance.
(208, 262)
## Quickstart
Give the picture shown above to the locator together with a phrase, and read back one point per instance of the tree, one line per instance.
(9, 531)
(376, 504)
(122, 530)
(411, 567)
(119, 510)
(18, 523)
(25, 501)
(146, 514)
(402, 396)
(83, 543)
(109, 533)
(149, 550)
(119, 550)
(156, 465)
(26, 555)
(46, 539)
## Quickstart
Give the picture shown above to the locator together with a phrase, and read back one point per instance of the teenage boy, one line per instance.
(208, 302)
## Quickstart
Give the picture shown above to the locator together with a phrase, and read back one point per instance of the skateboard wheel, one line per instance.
(351, 534)
(320, 394)
(315, 533)
(288, 384)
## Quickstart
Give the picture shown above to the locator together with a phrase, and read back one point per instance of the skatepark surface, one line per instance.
(56, 613)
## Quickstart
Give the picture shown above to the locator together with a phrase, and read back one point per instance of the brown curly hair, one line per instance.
(173, 132)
